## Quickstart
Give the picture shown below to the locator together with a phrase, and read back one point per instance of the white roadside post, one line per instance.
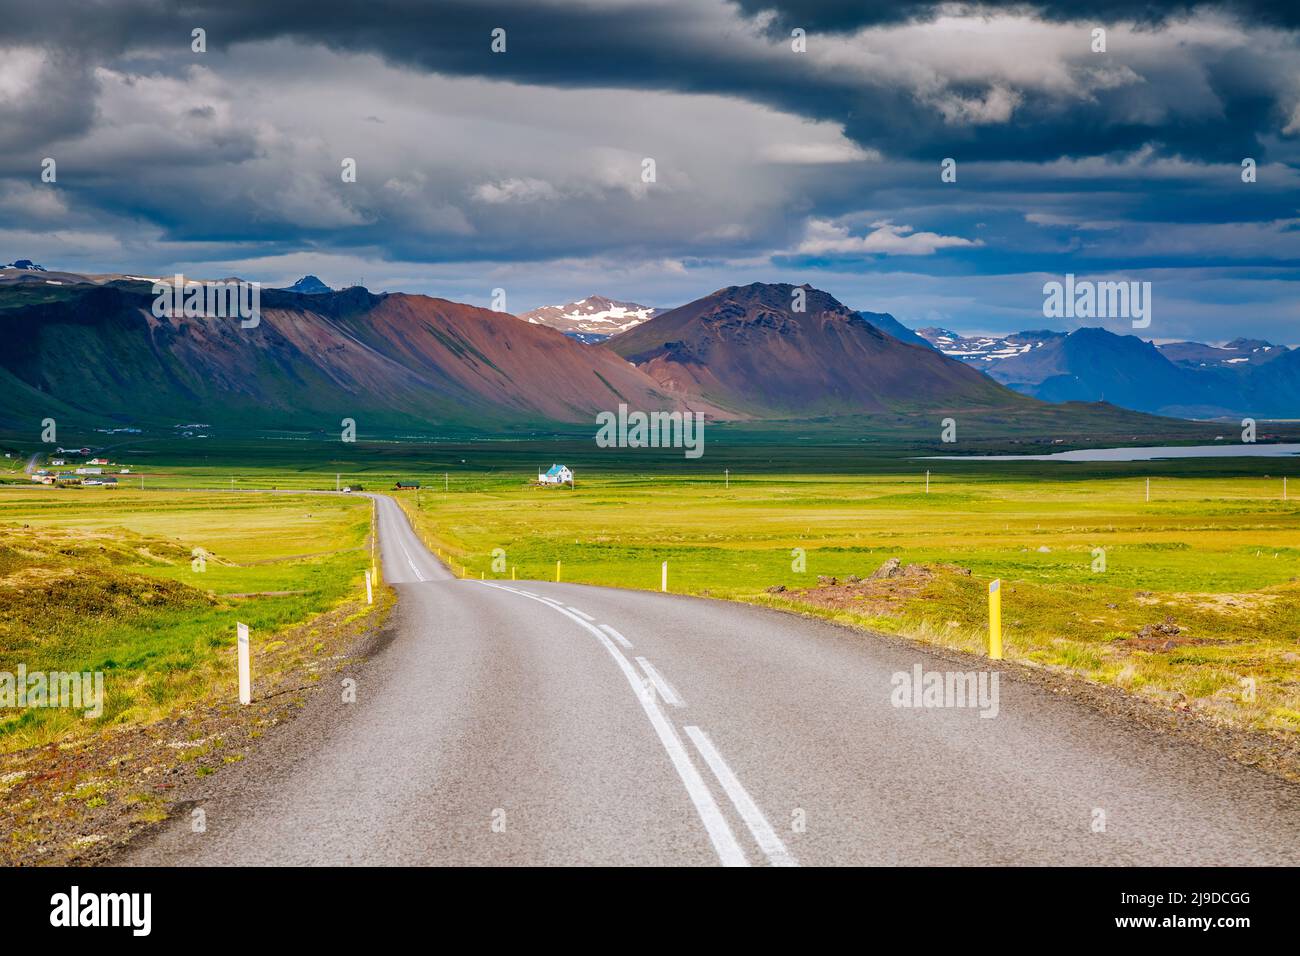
(927, 482)
(370, 594)
(245, 676)
(1148, 489)
(663, 577)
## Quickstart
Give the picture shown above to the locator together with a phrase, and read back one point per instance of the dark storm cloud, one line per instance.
(701, 48)
(847, 15)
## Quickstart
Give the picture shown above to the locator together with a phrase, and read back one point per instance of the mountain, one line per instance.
(593, 319)
(95, 352)
(309, 285)
(1237, 352)
(25, 264)
(1096, 365)
(1273, 388)
(89, 350)
(1182, 379)
(743, 348)
(891, 326)
(983, 351)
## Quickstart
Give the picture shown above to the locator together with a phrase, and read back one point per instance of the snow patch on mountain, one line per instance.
(986, 349)
(592, 319)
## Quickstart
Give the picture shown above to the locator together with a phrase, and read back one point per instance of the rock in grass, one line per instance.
(1167, 627)
(892, 568)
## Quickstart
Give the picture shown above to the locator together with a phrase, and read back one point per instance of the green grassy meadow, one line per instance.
(1217, 556)
(107, 580)
(1213, 557)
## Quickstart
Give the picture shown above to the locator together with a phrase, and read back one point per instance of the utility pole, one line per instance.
(727, 472)
(336, 481)
(446, 482)
(927, 482)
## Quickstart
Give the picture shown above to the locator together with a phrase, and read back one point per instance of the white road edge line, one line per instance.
(766, 837)
(724, 841)
(582, 614)
(611, 632)
(666, 690)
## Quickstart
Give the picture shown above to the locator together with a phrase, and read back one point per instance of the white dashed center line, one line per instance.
(665, 689)
(616, 636)
(719, 831)
(763, 833)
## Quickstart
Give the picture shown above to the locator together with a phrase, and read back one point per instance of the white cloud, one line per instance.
(818, 153)
(20, 71)
(826, 237)
(42, 203)
(516, 189)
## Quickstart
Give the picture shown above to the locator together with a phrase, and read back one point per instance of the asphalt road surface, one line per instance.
(542, 723)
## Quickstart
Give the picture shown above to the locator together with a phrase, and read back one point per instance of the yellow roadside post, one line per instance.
(557, 570)
(995, 620)
(512, 572)
(663, 579)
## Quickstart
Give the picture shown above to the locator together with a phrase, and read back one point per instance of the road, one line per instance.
(541, 723)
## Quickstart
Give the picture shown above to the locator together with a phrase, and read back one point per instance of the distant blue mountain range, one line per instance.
(1247, 377)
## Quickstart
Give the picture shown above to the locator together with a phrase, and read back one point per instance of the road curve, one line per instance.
(540, 723)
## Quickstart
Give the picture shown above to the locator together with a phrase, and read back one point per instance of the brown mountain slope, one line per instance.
(747, 350)
(530, 369)
(395, 360)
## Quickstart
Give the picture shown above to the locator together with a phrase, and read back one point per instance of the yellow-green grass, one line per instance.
(1218, 555)
(107, 580)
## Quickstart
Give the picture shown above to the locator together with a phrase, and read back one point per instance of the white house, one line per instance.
(555, 475)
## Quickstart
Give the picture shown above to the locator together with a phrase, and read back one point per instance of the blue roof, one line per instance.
(555, 470)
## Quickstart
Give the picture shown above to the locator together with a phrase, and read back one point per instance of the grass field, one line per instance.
(1087, 561)
(1180, 599)
(147, 587)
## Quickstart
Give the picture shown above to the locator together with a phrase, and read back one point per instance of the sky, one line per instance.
(791, 142)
